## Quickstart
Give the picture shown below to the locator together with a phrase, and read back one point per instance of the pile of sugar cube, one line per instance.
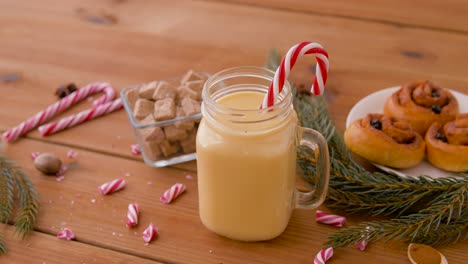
(161, 100)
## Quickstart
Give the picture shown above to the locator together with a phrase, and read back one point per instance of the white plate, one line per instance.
(375, 102)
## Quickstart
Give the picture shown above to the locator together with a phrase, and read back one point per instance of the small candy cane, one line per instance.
(282, 73)
(112, 186)
(172, 193)
(64, 103)
(72, 154)
(323, 256)
(135, 149)
(81, 117)
(132, 215)
(66, 234)
(150, 233)
(329, 219)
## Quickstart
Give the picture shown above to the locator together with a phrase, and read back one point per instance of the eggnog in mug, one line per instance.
(246, 157)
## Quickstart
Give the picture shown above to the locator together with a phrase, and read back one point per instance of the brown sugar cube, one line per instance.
(197, 87)
(188, 144)
(168, 148)
(173, 133)
(152, 133)
(132, 97)
(153, 152)
(155, 134)
(148, 119)
(143, 108)
(147, 90)
(190, 106)
(163, 90)
(192, 76)
(164, 109)
(188, 124)
(185, 92)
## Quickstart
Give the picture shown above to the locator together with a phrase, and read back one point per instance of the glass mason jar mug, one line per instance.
(246, 157)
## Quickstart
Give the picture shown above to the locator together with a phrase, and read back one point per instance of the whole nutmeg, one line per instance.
(47, 163)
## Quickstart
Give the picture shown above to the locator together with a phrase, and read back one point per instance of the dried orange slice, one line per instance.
(423, 254)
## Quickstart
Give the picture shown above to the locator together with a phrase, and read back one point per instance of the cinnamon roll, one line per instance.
(385, 140)
(447, 146)
(421, 104)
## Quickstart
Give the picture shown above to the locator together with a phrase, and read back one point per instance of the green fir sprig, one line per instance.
(12, 179)
(426, 210)
(2, 246)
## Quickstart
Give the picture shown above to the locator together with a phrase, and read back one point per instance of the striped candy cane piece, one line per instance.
(132, 215)
(135, 149)
(112, 186)
(362, 244)
(65, 103)
(288, 62)
(66, 234)
(150, 233)
(34, 155)
(62, 170)
(323, 256)
(172, 193)
(72, 154)
(329, 219)
(81, 117)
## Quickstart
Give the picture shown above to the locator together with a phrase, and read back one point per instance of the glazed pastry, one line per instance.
(421, 104)
(385, 140)
(447, 146)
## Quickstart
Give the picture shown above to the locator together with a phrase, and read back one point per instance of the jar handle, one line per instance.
(317, 143)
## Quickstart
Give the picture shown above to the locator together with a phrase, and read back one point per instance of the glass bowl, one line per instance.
(164, 143)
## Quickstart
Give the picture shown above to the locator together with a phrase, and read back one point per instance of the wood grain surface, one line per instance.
(99, 220)
(44, 44)
(435, 15)
(44, 248)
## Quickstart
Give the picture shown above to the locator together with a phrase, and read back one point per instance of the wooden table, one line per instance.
(48, 43)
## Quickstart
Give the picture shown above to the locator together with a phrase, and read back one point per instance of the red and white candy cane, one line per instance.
(132, 215)
(150, 233)
(323, 256)
(172, 193)
(329, 219)
(362, 244)
(34, 155)
(66, 234)
(112, 186)
(73, 98)
(135, 149)
(72, 154)
(81, 117)
(282, 73)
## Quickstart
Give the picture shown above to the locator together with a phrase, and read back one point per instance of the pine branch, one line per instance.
(428, 210)
(6, 194)
(2, 247)
(273, 60)
(30, 205)
(12, 176)
(425, 226)
(446, 233)
(412, 228)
